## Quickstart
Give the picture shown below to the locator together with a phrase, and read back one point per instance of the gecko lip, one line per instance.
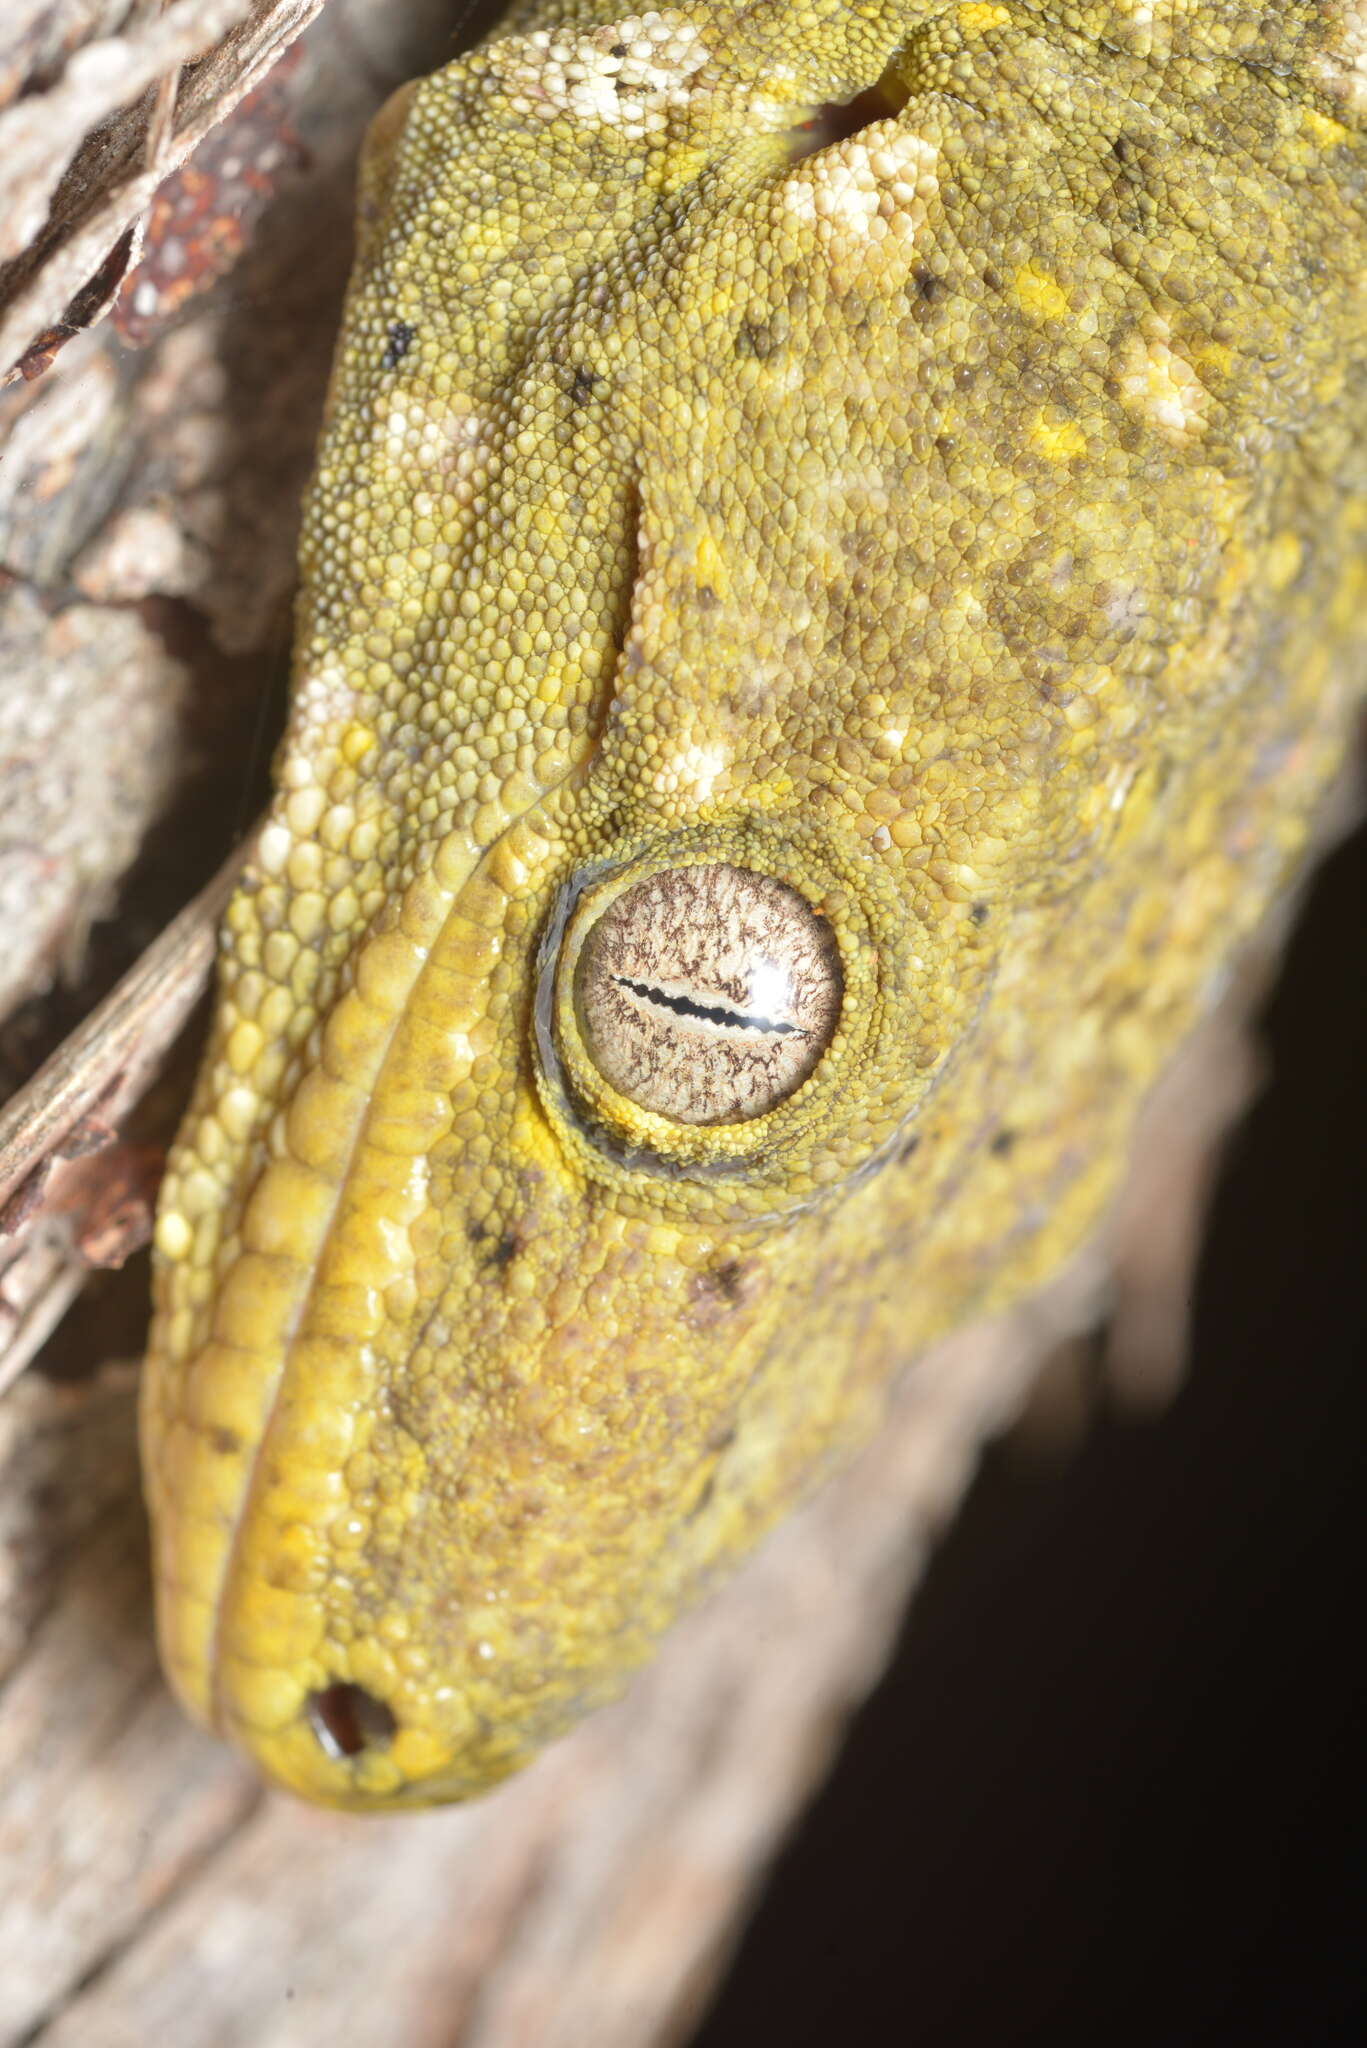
(346, 1719)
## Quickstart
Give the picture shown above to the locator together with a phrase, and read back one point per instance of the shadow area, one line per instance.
(1113, 1788)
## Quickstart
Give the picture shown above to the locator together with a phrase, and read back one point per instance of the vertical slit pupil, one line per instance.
(347, 1720)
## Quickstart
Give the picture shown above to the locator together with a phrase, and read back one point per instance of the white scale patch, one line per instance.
(869, 198)
(444, 437)
(693, 772)
(1150, 23)
(1343, 69)
(1160, 383)
(323, 695)
(626, 75)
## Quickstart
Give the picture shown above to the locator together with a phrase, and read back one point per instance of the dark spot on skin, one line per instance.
(1002, 1144)
(505, 1251)
(907, 1147)
(581, 389)
(401, 339)
(980, 913)
(225, 1441)
(501, 1255)
(761, 340)
(618, 50)
(1122, 149)
(928, 286)
(727, 1279)
(729, 1285)
(707, 597)
(347, 1719)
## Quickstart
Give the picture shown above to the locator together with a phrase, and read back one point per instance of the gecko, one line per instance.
(832, 589)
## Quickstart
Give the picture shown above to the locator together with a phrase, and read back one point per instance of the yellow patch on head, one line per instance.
(1323, 130)
(1214, 358)
(1057, 440)
(766, 796)
(976, 16)
(1284, 559)
(1039, 294)
(709, 566)
(357, 742)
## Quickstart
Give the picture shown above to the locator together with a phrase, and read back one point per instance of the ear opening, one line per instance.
(837, 120)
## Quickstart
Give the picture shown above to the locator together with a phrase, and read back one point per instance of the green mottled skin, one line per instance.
(961, 519)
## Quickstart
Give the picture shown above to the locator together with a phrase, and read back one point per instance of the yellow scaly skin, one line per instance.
(962, 520)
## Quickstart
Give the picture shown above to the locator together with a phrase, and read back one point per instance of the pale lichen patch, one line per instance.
(323, 696)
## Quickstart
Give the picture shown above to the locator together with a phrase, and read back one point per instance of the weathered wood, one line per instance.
(48, 1192)
(83, 157)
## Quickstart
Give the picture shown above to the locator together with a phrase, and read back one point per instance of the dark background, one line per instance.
(1112, 1789)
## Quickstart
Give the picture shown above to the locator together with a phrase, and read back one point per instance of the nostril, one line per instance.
(347, 1719)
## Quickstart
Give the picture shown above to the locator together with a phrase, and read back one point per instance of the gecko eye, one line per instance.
(708, 994)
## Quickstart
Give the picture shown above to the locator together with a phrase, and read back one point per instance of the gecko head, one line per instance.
(781, 598)
(447, 1460)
